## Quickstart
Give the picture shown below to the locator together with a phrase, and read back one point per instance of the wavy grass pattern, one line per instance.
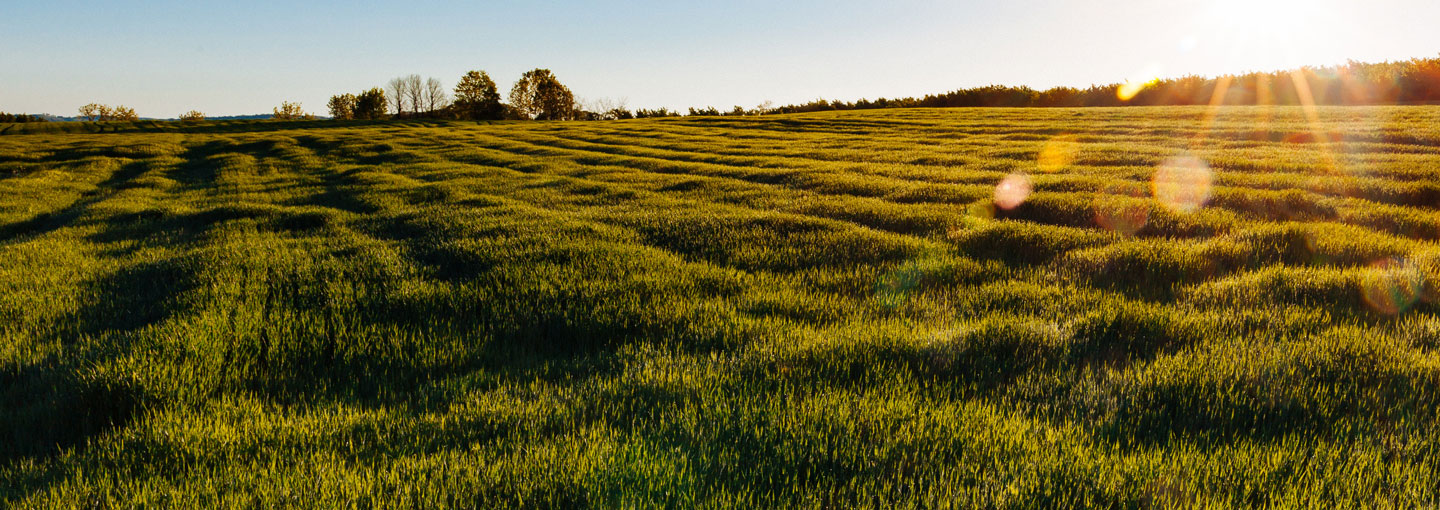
(817, 310)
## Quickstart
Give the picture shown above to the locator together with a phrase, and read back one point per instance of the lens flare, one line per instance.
(1058, 153)
(1121, 208)
(1012, 191)
(1207, 121)
(895, 287)
(1142, 80)
(1392, 286)
(1317, 128)
(1130, 89)
(1182, 183)
(981, 209)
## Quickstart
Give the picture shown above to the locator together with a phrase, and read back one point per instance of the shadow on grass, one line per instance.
(62, 402)
(49, 222)
(218, 126)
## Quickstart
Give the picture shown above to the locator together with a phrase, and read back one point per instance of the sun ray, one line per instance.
(1207, 121)
(1319, 136)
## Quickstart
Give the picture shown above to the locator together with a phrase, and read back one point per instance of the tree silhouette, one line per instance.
(415, 92)
(435, 98)
(399, 89)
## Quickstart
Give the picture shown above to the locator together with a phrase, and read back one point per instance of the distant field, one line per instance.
(1137, 307)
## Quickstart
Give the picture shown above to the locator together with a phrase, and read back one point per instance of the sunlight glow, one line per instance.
(1312, 116)
(1182, 183)
(1130, 89)
(1217, 99)
(1058, 153)
(1274, 33)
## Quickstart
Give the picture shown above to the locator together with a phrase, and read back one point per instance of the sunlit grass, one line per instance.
(1143, 307)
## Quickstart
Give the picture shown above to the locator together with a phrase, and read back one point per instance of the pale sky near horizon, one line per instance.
(165, 57)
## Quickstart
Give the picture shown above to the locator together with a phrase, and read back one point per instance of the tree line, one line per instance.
(20, 118)
(100, 112)
(539, 95)
(1354, 83)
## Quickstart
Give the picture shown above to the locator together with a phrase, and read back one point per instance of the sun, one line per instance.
(1249, 35)
(1270, 33)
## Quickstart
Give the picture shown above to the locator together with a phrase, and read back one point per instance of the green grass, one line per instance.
(819, 310)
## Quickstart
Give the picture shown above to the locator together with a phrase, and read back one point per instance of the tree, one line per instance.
(370, 104)
(400, 89)
(1420, 81)
(342, 107)
(540, 96)
(435, 98)
(102, 112)
(290, 111)
(123, 113)
(192, 116)
(477, 98)
(92, 111)
(415, 90)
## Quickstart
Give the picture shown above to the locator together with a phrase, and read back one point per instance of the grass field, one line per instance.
(1137, 307)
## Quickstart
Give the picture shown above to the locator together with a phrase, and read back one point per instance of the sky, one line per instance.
(165, 57)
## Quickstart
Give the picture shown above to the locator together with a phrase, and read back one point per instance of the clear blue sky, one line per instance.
(240, 57)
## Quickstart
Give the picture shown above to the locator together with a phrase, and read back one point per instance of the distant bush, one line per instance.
(660, 112)
(290, 111)
(604, 109)
(192, 116)
(619, 114)
(708, 111)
